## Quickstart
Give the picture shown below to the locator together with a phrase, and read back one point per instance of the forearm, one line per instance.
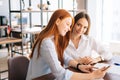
(81, 76)
(73, 63)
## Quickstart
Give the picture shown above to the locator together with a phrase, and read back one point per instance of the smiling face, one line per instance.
(80, 26)
(64, 25)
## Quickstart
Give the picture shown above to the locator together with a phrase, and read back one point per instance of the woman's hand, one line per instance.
(85, 68)
(100, 73)
(88, 60)
(85, 60)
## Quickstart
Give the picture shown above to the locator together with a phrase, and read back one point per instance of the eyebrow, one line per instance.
(82, 25)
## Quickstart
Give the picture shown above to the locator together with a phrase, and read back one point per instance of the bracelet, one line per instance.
(102, 59)
(78, 66)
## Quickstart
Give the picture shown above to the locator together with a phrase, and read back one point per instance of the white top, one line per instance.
(86, 47)
(47, 62)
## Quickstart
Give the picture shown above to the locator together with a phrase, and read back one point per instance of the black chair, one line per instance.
(17, 68)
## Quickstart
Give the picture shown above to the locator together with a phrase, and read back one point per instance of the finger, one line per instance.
(89, 59)
(90, 62)
(103, 69)
(87, 70)
(106, 68)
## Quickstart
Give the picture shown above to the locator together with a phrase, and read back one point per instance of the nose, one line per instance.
(81, 28)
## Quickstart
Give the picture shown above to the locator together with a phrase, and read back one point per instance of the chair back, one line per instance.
(17, 68)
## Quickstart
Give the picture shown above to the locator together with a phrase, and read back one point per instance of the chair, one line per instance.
(17, 68)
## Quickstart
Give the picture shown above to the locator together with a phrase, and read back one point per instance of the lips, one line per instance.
(78, 32)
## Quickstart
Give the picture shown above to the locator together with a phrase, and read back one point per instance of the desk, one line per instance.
(6, 40)
(3, 27)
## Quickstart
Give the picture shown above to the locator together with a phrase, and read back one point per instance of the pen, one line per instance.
(117, 64)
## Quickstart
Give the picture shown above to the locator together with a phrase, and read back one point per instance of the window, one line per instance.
(111, 20)
(105, 19)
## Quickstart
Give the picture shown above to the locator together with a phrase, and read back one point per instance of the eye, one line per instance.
(85, 27)
(78, 24)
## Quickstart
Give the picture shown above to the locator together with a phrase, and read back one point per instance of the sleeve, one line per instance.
(49, 54)
(67, 58)
(101, 49)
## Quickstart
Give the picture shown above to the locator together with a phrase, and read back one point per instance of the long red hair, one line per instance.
(61, 42)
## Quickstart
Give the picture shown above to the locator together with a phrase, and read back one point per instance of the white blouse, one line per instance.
(47, 62)
(86, 47)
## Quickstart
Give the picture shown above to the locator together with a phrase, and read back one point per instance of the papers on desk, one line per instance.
(113, 68)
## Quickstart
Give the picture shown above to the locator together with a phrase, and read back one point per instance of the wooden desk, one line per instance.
(6, 40)
(3, 27)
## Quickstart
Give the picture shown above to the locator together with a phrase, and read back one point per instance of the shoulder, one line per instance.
(48, 41)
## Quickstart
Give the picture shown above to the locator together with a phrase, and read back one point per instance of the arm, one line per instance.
(48, 52)
(87, 76)
(101, 50)
(70, 62)
(90, 76)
